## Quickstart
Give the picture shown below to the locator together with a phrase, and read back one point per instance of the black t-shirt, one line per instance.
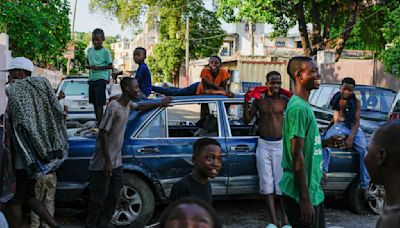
(187, 186)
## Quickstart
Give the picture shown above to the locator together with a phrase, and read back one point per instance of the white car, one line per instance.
(76, 90)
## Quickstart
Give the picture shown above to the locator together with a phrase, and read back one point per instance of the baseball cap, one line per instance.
(20, 63)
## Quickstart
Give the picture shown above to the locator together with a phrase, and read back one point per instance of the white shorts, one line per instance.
(269, 157)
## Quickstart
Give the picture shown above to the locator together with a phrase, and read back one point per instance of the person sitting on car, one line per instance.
(214, 80)
(346, 123)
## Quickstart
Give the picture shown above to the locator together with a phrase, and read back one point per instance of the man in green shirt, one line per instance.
(302, 150)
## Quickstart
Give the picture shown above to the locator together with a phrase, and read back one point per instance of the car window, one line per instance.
(156, 127)
(324, 97)
(75, 88)
(238, 127)
(314, 96)
(193, 120)
(374, 99)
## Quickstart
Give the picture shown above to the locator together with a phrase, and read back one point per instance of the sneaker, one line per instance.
(271, 226)
(287, 226)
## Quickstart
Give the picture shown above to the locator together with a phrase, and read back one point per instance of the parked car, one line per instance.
(76, 90)
(394, 113)
(375, 106)
(157, 152)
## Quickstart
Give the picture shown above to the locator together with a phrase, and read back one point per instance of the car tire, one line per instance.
(378, 193)
(136, 204)
(354, 196)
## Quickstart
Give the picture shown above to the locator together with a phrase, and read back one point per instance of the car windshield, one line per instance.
(75, 88)
(375, 99)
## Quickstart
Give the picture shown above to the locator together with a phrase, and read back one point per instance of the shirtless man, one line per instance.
(346, 122)
(270, 107)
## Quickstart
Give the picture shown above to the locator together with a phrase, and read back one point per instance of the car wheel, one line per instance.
(136, 204)
(378, 192)
(354, 196)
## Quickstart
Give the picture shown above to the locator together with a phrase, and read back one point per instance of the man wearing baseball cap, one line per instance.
(21, 68)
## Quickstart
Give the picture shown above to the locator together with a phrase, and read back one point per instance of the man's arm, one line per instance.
(104, 149)
(108, 67)
(209, 85)
(147, 106)
(356, 125)
(249, 112)
(218, 92)
(306, 207)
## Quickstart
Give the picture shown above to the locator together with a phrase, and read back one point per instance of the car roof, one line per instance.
(206, 97)
(358, 86)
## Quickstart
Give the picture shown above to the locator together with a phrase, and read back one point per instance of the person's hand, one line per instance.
(349, 142)
(336, 141)
(108, 168)
(61, 95)
(65, 109)
(166, 101)
(307, 214)
(229, 94)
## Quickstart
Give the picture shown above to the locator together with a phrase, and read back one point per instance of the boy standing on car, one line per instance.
(206, 164)
(143, 75)
(383, 163)
(271, 107)
(346, 122)
(105, 167)
(99, 64)
(302, 149)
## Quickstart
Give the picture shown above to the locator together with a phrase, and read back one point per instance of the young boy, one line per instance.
(207, 163)
(302, 149)
(346, 122)
(383, 163)
(271, 106)
(143, 75)
(99, 64)
(105, 167)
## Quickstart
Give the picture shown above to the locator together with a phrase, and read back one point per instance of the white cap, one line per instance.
(20, 63)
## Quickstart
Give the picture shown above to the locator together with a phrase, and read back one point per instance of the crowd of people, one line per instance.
(292, 157)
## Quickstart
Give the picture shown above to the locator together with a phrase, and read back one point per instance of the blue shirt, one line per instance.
(143, 77)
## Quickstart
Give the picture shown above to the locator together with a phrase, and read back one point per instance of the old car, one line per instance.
(344, 167)
(157, 152)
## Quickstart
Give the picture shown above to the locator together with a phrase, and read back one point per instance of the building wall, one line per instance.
(362, 71)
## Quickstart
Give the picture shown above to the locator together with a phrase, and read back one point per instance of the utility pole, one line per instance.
(187, 43)
(72, 37)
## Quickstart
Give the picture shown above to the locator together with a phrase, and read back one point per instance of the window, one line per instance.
(314, 96)
(193, 120)
(324, 97)
(156, 127)
(376, 100)
(75, 88)
(237, 125)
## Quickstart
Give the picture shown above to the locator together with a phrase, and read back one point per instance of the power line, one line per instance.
(210, 37)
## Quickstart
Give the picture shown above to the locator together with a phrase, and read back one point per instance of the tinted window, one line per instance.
(193, 120)
(324, 97)
(396, 107)
(75, 88)
(375, 99)
(237, 125)
(156, 127)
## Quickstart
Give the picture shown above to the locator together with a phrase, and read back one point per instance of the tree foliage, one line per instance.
(38, 30)
(391, 32)
(324, 16)
(206, 35)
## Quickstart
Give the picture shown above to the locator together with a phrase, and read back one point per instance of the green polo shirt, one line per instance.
(300, 122)
(100, 57)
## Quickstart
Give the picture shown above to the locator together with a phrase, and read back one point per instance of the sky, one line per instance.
(87, 22)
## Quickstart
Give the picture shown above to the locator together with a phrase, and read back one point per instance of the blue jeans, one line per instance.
(175, 91)
(359, 146)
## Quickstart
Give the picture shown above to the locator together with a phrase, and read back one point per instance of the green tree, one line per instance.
(38, 30)
(391, 32)
(323, 15)
(244, 10)
(206, 35)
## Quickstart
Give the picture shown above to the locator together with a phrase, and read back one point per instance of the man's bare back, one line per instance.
(271, 111)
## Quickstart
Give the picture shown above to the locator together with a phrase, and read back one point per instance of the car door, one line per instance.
(164, 144)
(241, 144)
